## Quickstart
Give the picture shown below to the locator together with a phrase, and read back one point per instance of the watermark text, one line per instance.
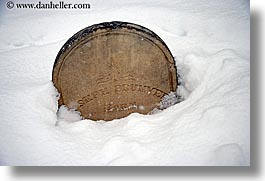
(49, 5)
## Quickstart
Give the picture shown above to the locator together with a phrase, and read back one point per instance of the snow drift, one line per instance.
(210, 42)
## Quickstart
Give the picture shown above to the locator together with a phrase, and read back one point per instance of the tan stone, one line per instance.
(109, 70)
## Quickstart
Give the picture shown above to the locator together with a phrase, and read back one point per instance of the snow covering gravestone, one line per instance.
(109, 70)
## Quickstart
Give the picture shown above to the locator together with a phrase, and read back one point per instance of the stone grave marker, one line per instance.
(110, 70)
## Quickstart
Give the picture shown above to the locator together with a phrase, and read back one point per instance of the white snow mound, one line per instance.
(210, 42)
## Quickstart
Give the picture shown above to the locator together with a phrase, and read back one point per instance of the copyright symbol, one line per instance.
(10, 4)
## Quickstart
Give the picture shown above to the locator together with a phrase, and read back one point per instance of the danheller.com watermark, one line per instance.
(50, 5)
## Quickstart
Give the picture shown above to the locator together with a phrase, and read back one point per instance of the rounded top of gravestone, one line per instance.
(109, 70)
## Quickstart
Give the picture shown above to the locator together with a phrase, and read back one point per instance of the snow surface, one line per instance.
(210, 42)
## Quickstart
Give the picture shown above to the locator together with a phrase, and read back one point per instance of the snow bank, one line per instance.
(210, 42)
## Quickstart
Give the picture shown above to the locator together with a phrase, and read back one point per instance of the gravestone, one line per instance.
(109, 70)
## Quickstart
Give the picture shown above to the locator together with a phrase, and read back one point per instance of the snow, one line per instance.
(211, 126)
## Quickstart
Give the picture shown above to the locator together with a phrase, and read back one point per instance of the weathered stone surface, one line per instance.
(110, 70)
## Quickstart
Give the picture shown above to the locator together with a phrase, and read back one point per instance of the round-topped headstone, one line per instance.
(109, 70)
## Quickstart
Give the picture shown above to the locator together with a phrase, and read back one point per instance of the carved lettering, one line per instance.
(140, 88)
(110, 107)
(133, 87)
(94, 95)
(119, 89)
(125, 87)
